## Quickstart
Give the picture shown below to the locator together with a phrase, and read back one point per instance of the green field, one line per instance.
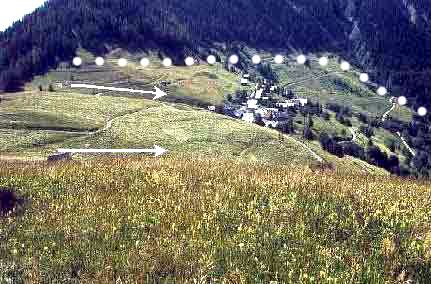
(139, 123)
(188, 220)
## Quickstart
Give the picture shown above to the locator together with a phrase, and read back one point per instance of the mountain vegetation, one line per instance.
(390, 40)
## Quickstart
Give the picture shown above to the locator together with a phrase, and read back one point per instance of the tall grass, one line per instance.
(177, 220)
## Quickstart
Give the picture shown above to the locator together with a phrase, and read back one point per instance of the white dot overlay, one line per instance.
(422, 111)
(279, 59)
(145, 62)
(211, 59)
(323, 61)
(189, 61)
(233, 59)
(381, 91)
(364, 77)
(77, 61)
(345, 65)
(99, 61)
(402, 101)
(256, 59)
(122, 62)
(301, 59)
(167, 62)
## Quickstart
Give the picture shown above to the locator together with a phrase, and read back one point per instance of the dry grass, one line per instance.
(183, 220)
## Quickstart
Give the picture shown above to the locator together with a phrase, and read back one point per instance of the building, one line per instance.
(270, 123)
(252, 104)
(286, 104)
(258, 94)
(249, 117)
(297, 102)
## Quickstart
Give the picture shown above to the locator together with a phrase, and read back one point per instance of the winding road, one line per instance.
(384, 118)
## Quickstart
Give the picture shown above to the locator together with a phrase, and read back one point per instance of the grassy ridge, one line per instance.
(141, 123)
(177, 220)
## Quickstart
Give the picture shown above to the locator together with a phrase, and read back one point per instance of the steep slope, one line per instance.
(379, 35)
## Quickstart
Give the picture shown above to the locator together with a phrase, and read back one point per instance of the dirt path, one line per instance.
(310, 78)
(311, 151)
(406, 144)
(353, 131)
(385, 115)
(384, 118)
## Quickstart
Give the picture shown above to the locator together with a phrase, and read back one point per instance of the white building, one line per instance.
(252, 104)
(299, 101)
(249, 117)
(286, 104)
(244, 81)
(270, 123)
(258, 94)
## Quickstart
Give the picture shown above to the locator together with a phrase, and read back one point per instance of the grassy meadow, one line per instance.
(190, 220)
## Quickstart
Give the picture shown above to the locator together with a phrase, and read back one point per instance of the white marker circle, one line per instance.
(422, 111)
(256, 59)
(323, 61)
(122, 62)
(189, 61)
(77, 61)
(234, 59)
(301, 59)
(364, 77)
(279, 59)
(145, 62)
(211, 59)
(345, 65)
(402, 101)
(381, 91)
(167, 62)
(99, 61)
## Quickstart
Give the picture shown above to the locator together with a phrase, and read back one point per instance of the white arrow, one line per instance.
(157, 151)
(158, 93)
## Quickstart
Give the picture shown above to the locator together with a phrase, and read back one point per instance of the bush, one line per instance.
(325, 115)
(354, 150)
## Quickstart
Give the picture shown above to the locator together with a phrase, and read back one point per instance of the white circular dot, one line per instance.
(167, 62)
(345, 65)
(323, 61)
(301, 59)
(145, 62)
(381, 91)
(99, 61)
(279, 59)
(256, 59)
(402, 101)
(234, 59)
(189, 61)
(77, 61)
(364, 77)
(122, 62)
(211, 59)
(422, 111)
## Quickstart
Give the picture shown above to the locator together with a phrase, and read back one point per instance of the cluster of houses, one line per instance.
(253, 109)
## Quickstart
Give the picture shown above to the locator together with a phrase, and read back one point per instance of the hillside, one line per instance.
(186, 220)
(41, 123)
(390, 41)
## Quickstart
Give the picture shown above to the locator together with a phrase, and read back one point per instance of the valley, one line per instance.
(193, 117)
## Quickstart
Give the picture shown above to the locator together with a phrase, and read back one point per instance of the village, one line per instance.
(266, 103)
